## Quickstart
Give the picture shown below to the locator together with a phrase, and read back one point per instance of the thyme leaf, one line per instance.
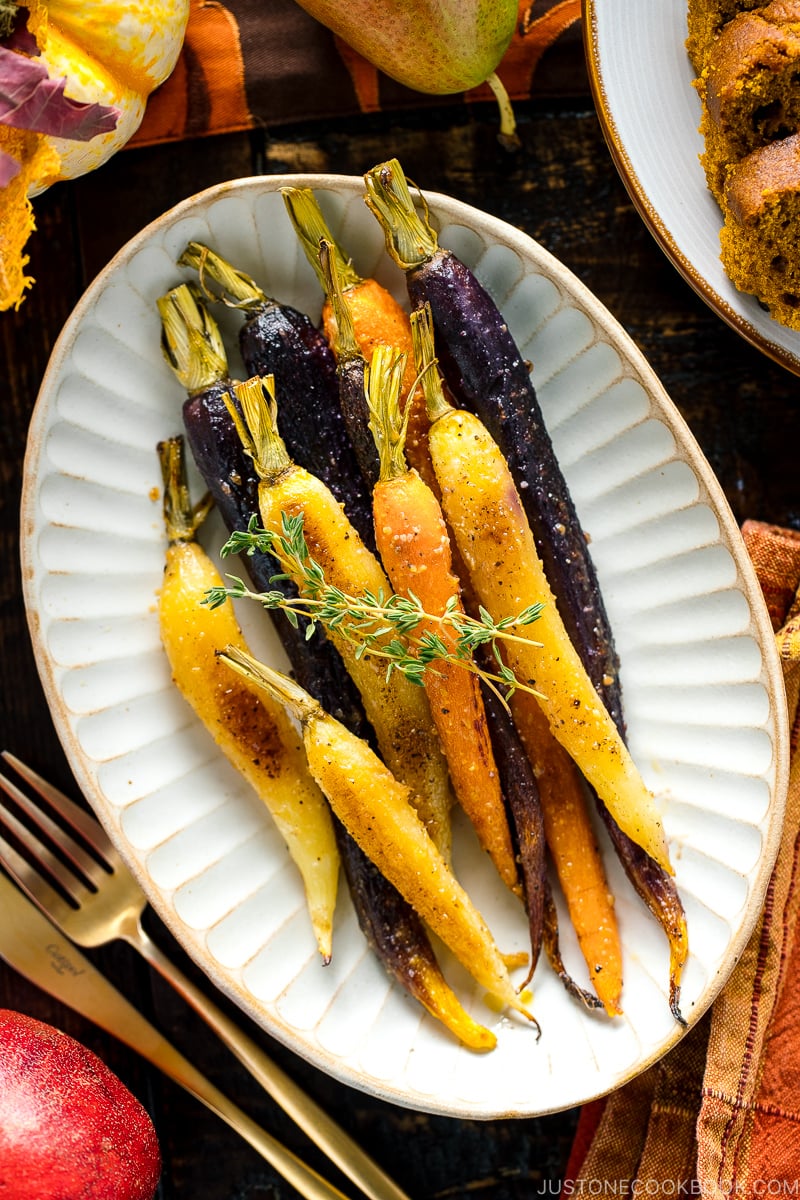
(395, 629)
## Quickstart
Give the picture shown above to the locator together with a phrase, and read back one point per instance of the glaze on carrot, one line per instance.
(485, 370)
(251, 729)
(485, 513)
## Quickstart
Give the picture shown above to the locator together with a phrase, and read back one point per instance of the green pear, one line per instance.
(436, 46)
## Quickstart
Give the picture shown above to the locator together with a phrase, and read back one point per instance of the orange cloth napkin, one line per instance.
(719, 1116)
(248, 63)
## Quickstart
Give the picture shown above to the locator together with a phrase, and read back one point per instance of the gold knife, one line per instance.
(33, 946)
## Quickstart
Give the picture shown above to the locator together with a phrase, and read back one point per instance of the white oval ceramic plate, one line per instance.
(703, 687)
(642, 84)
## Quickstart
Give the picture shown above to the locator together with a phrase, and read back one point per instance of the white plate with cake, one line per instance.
(642, 79)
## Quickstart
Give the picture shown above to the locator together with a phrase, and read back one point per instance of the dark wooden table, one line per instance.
(562, 189)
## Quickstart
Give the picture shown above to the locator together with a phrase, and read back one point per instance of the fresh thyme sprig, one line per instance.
(384, 627)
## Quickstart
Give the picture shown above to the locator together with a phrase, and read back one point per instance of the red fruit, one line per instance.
(69, 1128)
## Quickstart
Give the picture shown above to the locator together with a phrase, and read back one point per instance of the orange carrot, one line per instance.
(378, 319)
(576, 856)
(415, 549)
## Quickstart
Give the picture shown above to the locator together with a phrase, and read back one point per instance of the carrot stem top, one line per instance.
(181, 519)
(344, 342)
(389, 426)
(280, 687)
(191, 340)
(312, 228)
(410, 238)
(436, 402)
(237, 289)
(257, 426)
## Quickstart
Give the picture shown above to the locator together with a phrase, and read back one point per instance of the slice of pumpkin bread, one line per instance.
(760, 240)
(750, 87)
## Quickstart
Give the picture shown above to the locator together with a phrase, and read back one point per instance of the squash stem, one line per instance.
(237, 289)
(389, 426)
(311, 228)
(508, 136)
(257, 426)
(410, 239)
(191, 340)
(436, 402)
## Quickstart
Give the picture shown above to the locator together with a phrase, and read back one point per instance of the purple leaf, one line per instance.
(30, 99)
(9, 167)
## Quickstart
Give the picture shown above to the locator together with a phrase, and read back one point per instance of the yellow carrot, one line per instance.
(396, 709)
(486, 516)
(374, 807)
(250, 728)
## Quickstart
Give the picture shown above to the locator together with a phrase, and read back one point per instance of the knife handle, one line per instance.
(348, 1156)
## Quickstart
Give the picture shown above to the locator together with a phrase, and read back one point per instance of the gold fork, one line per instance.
(109, 904)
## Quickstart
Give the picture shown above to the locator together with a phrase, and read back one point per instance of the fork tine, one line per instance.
(33, 884)
(82, 862)
(77, 818)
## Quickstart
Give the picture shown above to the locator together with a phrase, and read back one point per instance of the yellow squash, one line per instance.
(113, 52)
(110, 52)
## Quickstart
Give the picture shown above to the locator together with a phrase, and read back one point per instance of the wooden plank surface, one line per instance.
(563, 190)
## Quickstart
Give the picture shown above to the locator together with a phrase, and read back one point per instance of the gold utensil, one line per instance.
(33, 946)
(109, 904)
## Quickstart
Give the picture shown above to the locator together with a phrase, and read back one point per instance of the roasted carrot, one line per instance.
(397, 934)
(485, 513)
(378, 319)
(251, 729)
(397, 710)
(351, 368)
(488, 376)
(193, 346)
(485, 370)
(277, 339)
(195, 350)
(574, 849)
(521, 793)
(376, 808)
(415, 550)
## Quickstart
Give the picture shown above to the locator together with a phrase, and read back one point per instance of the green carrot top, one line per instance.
(257, 426)
(181, 519)
(237, 289)
(191, 340)
(280, 687)
(410, 238)
(312, 228)
(344, 343)
(430, 380)
(389, 426)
